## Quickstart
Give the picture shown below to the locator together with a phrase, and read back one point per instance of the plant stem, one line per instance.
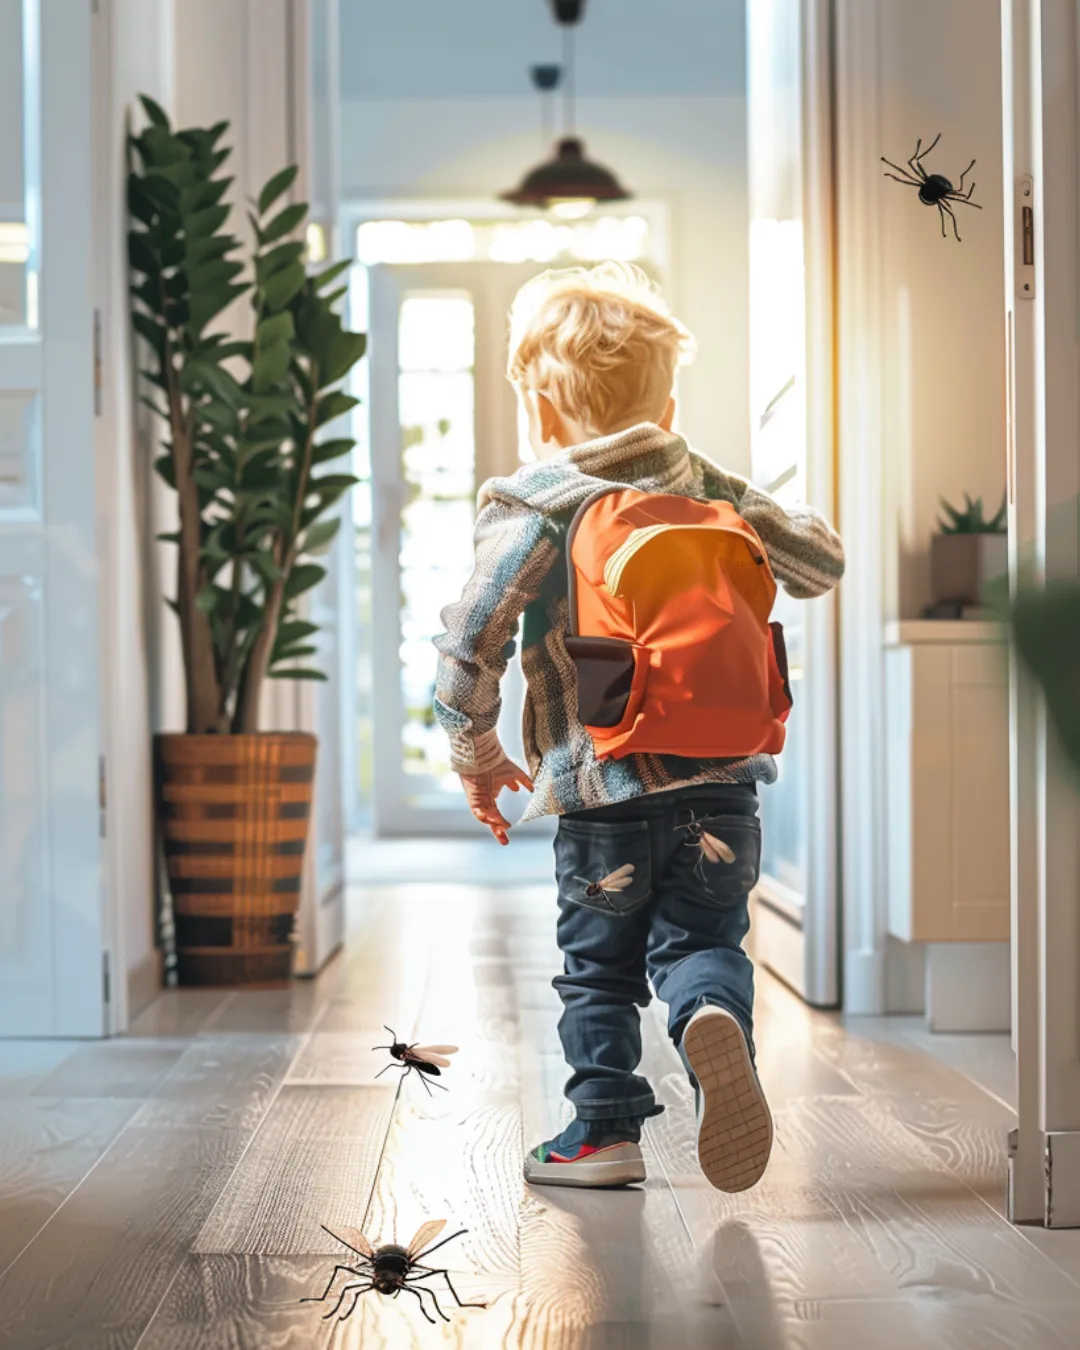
(247, 719)
(196, 638)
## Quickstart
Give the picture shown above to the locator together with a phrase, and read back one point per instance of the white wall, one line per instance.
(432, 110)
(943, 316)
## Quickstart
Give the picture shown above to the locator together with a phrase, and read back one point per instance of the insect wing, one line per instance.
(425, 1236)
(436, 1054)
(715, 849)
(354, 1238)
(619, 879)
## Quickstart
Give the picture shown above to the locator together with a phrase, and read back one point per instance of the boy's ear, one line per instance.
(551, 424)
(667, 421)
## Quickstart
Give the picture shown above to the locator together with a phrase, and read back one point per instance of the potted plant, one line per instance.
(969, 552)
(246, 451)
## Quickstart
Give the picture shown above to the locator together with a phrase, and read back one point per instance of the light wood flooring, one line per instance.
(166, 1190)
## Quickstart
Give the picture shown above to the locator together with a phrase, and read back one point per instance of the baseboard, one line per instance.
(144, 982)
(968, 987)
(864, 982)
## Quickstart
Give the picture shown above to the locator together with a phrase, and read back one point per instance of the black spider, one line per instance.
(934, 188)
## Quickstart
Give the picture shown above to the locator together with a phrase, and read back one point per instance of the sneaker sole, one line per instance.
(735, 1135)
(624, 1170)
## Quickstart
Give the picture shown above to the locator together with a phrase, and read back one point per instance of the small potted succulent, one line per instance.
(970, 551)
(248, 445)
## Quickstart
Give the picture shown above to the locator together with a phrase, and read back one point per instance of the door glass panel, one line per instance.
(18, 162)
(436, 399)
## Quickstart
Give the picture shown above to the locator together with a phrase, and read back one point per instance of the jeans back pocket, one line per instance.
(604, 865)
(725, 852)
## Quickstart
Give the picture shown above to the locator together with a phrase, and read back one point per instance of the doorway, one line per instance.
(437, 419)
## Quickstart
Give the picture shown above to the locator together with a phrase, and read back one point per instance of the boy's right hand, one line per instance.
(482, 791)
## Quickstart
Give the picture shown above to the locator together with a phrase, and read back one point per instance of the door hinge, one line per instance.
(106, 982)
(103, 797)
(97, 363)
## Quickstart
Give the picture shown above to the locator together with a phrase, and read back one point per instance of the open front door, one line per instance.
(51, 933)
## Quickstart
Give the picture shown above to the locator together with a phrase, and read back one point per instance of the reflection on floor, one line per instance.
(166, 1190)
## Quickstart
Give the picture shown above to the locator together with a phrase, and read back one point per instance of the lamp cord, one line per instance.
(568, 63)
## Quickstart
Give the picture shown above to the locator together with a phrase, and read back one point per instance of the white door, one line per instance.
(443, 419)
(51, 943)
(792, 452)
(1041, 80)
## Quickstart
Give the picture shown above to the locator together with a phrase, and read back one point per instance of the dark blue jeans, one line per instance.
(680, 922)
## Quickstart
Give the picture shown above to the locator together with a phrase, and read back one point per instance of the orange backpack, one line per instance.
(670, 599)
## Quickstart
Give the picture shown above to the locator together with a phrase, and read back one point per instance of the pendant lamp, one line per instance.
(568, 184)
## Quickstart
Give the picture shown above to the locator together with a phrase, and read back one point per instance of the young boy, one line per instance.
(593, 357)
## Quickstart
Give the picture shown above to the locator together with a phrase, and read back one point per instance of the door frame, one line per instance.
(799, 937)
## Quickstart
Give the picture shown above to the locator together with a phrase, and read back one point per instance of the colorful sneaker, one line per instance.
(735, 1128)
(589, 1153)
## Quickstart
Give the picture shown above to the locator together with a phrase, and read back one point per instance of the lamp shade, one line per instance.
(568, 177)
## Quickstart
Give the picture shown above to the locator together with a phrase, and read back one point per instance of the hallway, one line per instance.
(165, 1190)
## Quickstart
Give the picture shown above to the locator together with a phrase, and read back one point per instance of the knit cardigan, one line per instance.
(521, 574)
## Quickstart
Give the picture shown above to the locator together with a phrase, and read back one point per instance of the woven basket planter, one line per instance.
(234, 813)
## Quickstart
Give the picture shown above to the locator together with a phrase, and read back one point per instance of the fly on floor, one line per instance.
(169, 1189)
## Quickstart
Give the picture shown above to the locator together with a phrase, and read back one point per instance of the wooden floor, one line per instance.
(166, 1190)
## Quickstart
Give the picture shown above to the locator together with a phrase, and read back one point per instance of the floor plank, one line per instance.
(223, 1082)
(46, 1148)
(180, 1012)
(229, 1302)
(313, 1162)
(24, 1064)
(119, 1068)
(96, 1273)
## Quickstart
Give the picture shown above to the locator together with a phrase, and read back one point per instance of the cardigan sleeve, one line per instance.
(515, 549)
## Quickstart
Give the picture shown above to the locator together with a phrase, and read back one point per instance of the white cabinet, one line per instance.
(947, 793)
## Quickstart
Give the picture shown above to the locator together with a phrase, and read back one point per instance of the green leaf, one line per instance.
(321, 535)
(284, 223)
(302, 578)
(283, 286)
(333, 405)
(206, 222)
(278, 328)
(334, 449)
(220, 416)
(209, 599)
(270, 366)
(212, 274)
(294, 653)
(266, 264)
(141, 256)
(331, 273)
(295, 630)
(197, 375)
(153, 332)
(265, 566)
(166, 469)
(1046, 627)
(168, 537)
(204, 308)
(198, 251)
(296, 675)
(154, 111)
(276, 186)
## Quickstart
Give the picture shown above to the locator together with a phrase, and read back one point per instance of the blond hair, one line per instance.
(600, 343)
